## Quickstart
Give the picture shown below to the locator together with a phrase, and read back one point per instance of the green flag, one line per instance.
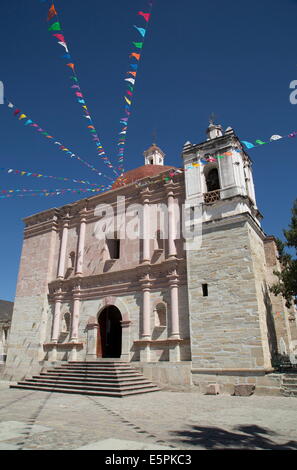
(55, 27)
(139, 45)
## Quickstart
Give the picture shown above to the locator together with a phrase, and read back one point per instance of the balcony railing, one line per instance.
(212, 196)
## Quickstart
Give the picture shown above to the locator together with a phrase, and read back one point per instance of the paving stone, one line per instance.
(118, 444)
(177, 420)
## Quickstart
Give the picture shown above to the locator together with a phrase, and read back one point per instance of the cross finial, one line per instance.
(212, 118)
(154, 135)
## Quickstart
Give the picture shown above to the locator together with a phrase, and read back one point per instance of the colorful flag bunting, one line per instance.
(146, 16)
(60, 37)
(51, 13)
(55, 26)
(131, 80)
(134, 54)
(139, 45)
(247, 144)
(63, 44)
(275, 137)
(142, 31)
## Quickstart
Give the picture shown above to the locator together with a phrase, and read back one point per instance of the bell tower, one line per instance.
(154, 156)
(219, 173)
(226, 275)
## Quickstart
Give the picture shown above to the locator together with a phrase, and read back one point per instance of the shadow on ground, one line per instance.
(241, 437)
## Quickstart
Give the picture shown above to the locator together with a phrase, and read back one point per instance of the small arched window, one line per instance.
(160, 315)
(212, 180)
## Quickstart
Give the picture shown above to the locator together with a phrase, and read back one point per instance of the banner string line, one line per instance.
(46, 192)
(30, 123)
(130, 81)
(273, 138)
(56, 30)
(14, 172)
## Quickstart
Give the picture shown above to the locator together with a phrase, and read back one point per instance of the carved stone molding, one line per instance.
(61, 346)
(109, 301)
(159, 342)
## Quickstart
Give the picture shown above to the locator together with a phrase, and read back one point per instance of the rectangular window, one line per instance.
(116, 249)
(205, 290)
(113, 248)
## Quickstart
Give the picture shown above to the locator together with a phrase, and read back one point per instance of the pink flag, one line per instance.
(60, 37)
(146, 16)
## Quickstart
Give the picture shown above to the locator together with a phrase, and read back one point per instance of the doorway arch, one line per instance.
(109, 342)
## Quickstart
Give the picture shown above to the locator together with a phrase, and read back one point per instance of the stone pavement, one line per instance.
(159, 420)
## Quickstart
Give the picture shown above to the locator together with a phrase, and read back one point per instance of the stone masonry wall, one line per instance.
(282, 318)
(225, 326)
(31, 310)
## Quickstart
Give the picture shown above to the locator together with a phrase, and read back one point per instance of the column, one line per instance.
(173, 286)
(81, 243)
(75, 315)
(146, 323)
(146, 226)
(171, 222)
(57, 318)
(92, 338)
(61, 270)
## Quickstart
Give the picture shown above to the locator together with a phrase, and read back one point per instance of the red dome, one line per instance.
(139, 173)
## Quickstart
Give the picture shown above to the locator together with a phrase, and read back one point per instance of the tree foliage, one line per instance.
(287, 277)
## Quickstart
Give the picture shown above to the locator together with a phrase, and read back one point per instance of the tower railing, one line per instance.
(212, 196)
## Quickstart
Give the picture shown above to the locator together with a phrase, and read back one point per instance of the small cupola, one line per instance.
(214, 130)
(154, 156)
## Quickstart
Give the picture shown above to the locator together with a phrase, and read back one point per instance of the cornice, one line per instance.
(119, 283)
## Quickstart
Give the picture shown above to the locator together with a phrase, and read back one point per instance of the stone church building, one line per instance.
(186, 311)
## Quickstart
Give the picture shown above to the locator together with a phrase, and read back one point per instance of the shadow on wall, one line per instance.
(272, 337)
(242, 437)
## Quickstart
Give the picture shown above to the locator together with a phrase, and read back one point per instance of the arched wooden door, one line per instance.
(109, 342)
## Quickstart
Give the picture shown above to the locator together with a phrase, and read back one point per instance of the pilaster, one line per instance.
(62, 258)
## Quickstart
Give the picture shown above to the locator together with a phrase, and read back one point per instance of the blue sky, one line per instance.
(235, 59)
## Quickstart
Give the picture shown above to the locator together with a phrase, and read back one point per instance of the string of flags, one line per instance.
(56, 31)
(45, 192)
(27, 121)
(13, 171)
(134, 59)
(273, 138)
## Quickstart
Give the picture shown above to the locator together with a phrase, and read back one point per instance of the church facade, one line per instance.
(169, 270)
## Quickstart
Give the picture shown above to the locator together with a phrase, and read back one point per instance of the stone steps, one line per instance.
(81, 370)
(112, 382)
(289, 385)
(84, 392)
(93, 371)
(91, 377)
(110, 379)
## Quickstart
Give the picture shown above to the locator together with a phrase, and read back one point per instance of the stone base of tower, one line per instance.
(230, 321)
(231, 382)
(181, 376)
